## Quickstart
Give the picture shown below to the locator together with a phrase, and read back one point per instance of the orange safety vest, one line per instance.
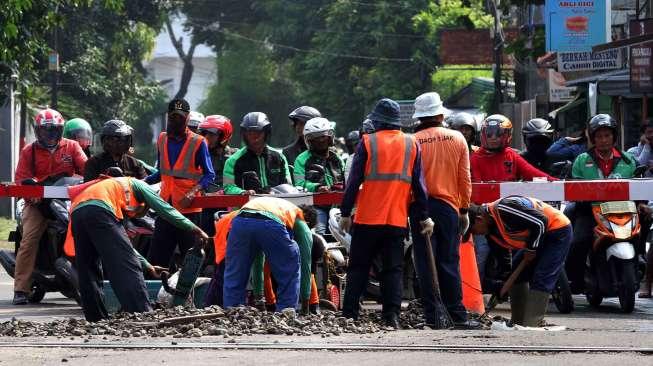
(116, 192)
(284, 210)
(222, 228)
(386, 191)
(177, 180)
(517, 240)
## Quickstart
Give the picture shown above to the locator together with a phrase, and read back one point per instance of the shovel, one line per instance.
(442, 318)
(496, 299)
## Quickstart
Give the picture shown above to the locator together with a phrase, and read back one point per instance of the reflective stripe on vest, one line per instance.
(374, 162)
(183, 171)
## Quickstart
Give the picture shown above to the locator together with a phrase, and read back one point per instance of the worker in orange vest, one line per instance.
(185, 172)
(387, 164)
(540, 234)
(445, 163)
(99, 236)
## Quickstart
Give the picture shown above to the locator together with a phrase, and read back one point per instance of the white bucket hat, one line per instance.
(429, 105)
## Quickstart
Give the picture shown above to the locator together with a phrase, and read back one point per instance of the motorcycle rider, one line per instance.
(388, 165)
(116, 138)
(79, 130)
(49, 156)
(351, 141)
(541, 234)
(496, 160)
(367, 127)
(276, 227)
(319, 136)
(185, 172)
(449, 195)
(97, 212)
(602, 161)
(217, 131)
(466, 124)
(538, 137)
(257, 156)
(194, 120)
(298, 118)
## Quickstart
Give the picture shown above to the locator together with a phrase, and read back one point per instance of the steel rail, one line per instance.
(333, 347)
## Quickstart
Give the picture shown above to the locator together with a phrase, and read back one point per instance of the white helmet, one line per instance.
(428, 105)
(316, 127)
(195, 119)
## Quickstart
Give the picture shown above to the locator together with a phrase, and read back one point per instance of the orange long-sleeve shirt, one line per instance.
(445, 165)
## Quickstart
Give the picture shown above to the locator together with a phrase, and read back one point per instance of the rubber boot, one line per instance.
(536, 306)
(518, 297)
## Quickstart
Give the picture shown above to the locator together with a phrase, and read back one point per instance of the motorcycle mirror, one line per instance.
(640, 171)
(29, 182)
(114, 171)
(317, 167)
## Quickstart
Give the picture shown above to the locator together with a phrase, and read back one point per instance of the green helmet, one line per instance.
(79, 130)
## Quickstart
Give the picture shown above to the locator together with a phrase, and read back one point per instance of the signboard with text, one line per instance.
(583, 61)
(577, 25)
(641, 68)
(558, 92)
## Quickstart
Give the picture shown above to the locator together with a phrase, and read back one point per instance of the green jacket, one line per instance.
(585, 166)
(334, 170)
(271, 167)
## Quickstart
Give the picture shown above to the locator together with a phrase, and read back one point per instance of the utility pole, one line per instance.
(53, 64)
(498, 52)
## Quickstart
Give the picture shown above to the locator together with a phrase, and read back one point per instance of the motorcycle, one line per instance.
(52, 271)
(612, 265)
(373, 290)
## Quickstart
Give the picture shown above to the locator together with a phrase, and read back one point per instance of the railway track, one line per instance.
(301, 346)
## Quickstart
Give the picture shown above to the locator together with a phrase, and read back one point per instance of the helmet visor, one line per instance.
(83, 137)
(49, 135)
(494, 130)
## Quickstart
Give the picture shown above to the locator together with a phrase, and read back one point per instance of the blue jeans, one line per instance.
(445, 244)
(549, 260)
(322, 220)
(247, 237)
(482, 250)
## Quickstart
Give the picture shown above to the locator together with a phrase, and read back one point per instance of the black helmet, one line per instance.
(116, 127)
(351, 140)
(457, 120)
(602, 121)
(537, 127)
(304, 113)
(256, 121)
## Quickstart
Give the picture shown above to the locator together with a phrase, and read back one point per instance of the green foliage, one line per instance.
(450, 80)
(523, 47)
(251, 81)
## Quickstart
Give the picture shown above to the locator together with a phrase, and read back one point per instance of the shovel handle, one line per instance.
(513, 276)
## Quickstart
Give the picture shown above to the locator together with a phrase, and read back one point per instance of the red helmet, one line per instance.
(496, 125)
(49, 127)
(49, 117)
(219, 125)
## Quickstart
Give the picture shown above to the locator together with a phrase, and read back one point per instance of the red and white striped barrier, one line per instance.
(594, 190)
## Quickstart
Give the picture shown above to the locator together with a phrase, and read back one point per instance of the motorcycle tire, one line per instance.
(37, 295)
(561, 294)
(628, 287)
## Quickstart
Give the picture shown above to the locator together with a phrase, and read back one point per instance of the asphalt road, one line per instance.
(585, 327)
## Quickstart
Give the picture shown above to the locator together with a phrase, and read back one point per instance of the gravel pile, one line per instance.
(182, 322)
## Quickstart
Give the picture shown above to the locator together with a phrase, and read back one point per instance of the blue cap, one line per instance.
(386, 111)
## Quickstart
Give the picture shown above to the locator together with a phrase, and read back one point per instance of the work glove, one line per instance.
(344, 224)
(427, 227)
(463, 223)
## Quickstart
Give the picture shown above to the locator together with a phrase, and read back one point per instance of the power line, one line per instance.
(334, 54)
(320, 30)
